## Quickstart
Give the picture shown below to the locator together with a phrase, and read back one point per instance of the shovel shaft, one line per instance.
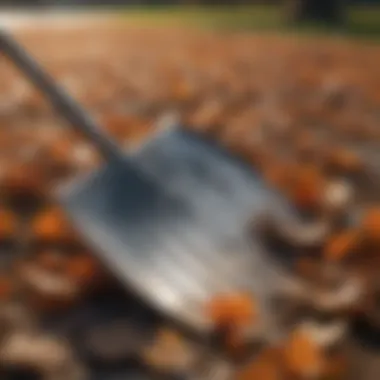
(63, 103)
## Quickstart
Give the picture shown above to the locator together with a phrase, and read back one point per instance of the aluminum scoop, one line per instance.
(172, 219)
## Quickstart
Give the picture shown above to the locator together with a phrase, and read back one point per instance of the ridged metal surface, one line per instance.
(185, 240)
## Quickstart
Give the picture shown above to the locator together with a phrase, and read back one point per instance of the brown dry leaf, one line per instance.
(231, 314)
(128, 128)
(235, 309)
(60, 151)
(336, 367)
(302, 356)
(371, 225)
(22, 180)
(117, 125)
(305, 143)
(8, 224)
(6, 288)
(34, 100)
(51, 260)
(266, 366)
(252, 154)
(169, 352)
(342, 245)
(307, 188)
(208, 114)
(344, 160)
(51, 225)
(44, 290)
(308, 268)
(277, 173)
(83, 269)
(183, 90)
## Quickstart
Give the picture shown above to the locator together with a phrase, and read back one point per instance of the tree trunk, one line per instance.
(326, 11)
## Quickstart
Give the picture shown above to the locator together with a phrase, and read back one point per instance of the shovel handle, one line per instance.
(63, 103)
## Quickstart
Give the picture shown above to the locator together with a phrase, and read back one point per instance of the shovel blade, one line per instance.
(184, 237)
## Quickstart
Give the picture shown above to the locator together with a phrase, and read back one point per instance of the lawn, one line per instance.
(361, 21)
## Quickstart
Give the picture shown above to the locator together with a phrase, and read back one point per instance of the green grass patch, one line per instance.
(218, 17)
(364, 21)
(361, 21)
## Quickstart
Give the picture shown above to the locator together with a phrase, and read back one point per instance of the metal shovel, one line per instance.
(170, 219)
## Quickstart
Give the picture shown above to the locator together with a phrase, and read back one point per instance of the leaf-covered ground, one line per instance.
(304, 112)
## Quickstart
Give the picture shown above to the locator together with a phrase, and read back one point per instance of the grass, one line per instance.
(364, 21)
(361, 21)
(221, 17)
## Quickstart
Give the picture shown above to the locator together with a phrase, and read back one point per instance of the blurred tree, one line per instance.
(327, 11)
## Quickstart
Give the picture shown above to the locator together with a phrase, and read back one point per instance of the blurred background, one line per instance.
(356, 16)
